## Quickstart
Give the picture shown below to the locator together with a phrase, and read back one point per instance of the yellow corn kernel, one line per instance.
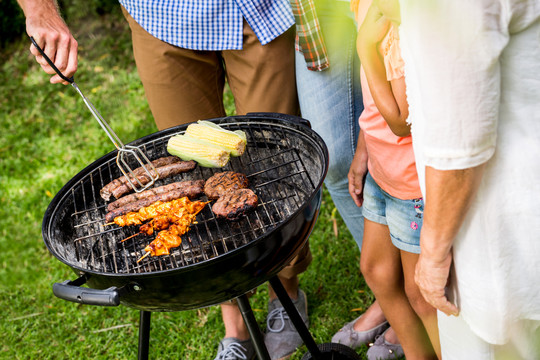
(234, 141)
(203, 152)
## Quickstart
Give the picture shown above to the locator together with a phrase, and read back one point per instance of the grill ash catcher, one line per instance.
(218, 260)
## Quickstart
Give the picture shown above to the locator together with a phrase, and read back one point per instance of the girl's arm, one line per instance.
(390, 97)
(358, 171)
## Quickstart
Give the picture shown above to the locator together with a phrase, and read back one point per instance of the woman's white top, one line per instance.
(472, 70)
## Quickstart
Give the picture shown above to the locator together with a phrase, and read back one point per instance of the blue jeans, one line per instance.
(404, 218)
(332, 101)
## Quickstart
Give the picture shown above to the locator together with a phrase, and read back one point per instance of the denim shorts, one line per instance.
(403, 217)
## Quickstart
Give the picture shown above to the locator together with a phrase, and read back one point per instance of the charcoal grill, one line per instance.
(219, 260)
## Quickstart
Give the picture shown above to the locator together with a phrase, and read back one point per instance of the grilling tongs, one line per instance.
(123, 150)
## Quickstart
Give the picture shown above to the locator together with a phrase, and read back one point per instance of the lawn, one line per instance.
(47, 137)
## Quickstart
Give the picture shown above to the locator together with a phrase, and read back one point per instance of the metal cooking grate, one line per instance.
(281, 169)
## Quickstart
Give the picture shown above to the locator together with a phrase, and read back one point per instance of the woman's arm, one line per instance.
(44, 24)
(449, 194)
(390, 97)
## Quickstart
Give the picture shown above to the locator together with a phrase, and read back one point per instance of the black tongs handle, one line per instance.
(69, 80)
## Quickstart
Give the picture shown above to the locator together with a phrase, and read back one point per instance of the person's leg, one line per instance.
(426, 312)
(289, 274)
(281, 337)
(262, 78)
(234, 323)
(181, 85)
(332, 101)
(381, 266)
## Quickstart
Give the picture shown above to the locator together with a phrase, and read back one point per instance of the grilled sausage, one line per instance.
(235, 204)
(107, 189)
(139, 204)
(191, 188)
(221, 183)
(121, 185)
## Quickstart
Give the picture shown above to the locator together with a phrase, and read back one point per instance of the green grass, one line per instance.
(47, 137)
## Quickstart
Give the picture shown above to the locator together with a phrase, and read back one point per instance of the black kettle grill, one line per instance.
(218, 260)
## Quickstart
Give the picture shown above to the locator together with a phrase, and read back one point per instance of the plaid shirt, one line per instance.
(211, 24)
(308, 35)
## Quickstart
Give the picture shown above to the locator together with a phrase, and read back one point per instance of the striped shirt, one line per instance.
(211, 24)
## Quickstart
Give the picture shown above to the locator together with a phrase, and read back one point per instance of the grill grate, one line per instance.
(281, 169)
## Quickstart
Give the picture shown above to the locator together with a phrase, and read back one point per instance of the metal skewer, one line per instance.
(123, 150)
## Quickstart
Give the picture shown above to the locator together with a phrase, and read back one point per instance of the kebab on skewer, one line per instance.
(171, 237)
(173, 218)
(158, 208)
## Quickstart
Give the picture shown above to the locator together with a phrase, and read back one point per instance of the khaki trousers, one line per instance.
(183, 85)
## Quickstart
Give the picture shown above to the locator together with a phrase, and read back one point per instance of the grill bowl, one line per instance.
(286, 163)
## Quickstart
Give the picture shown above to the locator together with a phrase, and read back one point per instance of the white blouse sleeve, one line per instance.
(453, 48)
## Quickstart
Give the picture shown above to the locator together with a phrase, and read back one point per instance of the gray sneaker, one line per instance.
(234, 349)
(383, 350)
(281, 337)
(355, 339)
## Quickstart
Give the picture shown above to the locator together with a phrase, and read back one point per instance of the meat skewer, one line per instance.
(162, 222)
(120, 186)
(159, 223)
(171, 238)
(159, 208)
(173, 218)
(190, 191)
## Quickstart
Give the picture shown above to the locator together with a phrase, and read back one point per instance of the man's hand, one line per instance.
(431, 276)
(44, 24)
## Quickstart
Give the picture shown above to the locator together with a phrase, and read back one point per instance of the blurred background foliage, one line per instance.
(12, 22)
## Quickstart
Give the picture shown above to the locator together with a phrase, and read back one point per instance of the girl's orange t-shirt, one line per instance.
(390, 157)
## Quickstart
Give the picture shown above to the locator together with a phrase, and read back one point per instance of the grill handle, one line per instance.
(286, 117)
(72, 291)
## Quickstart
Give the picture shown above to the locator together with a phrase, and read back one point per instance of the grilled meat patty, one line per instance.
(235, 204)
(224, 182)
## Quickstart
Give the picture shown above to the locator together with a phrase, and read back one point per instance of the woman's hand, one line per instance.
(358, 171)
(431, 276)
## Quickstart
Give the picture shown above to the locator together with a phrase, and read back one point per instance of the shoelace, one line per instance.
(233, 351)
(275, 315)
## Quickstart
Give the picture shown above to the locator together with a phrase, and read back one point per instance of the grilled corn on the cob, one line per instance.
(233, 141)
(203, 152)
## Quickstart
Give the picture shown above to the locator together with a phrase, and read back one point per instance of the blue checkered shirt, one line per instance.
(211, 24)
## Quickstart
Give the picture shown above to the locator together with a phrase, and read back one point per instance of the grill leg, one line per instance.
(144, 334)
(295, 318)
(253, 328)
